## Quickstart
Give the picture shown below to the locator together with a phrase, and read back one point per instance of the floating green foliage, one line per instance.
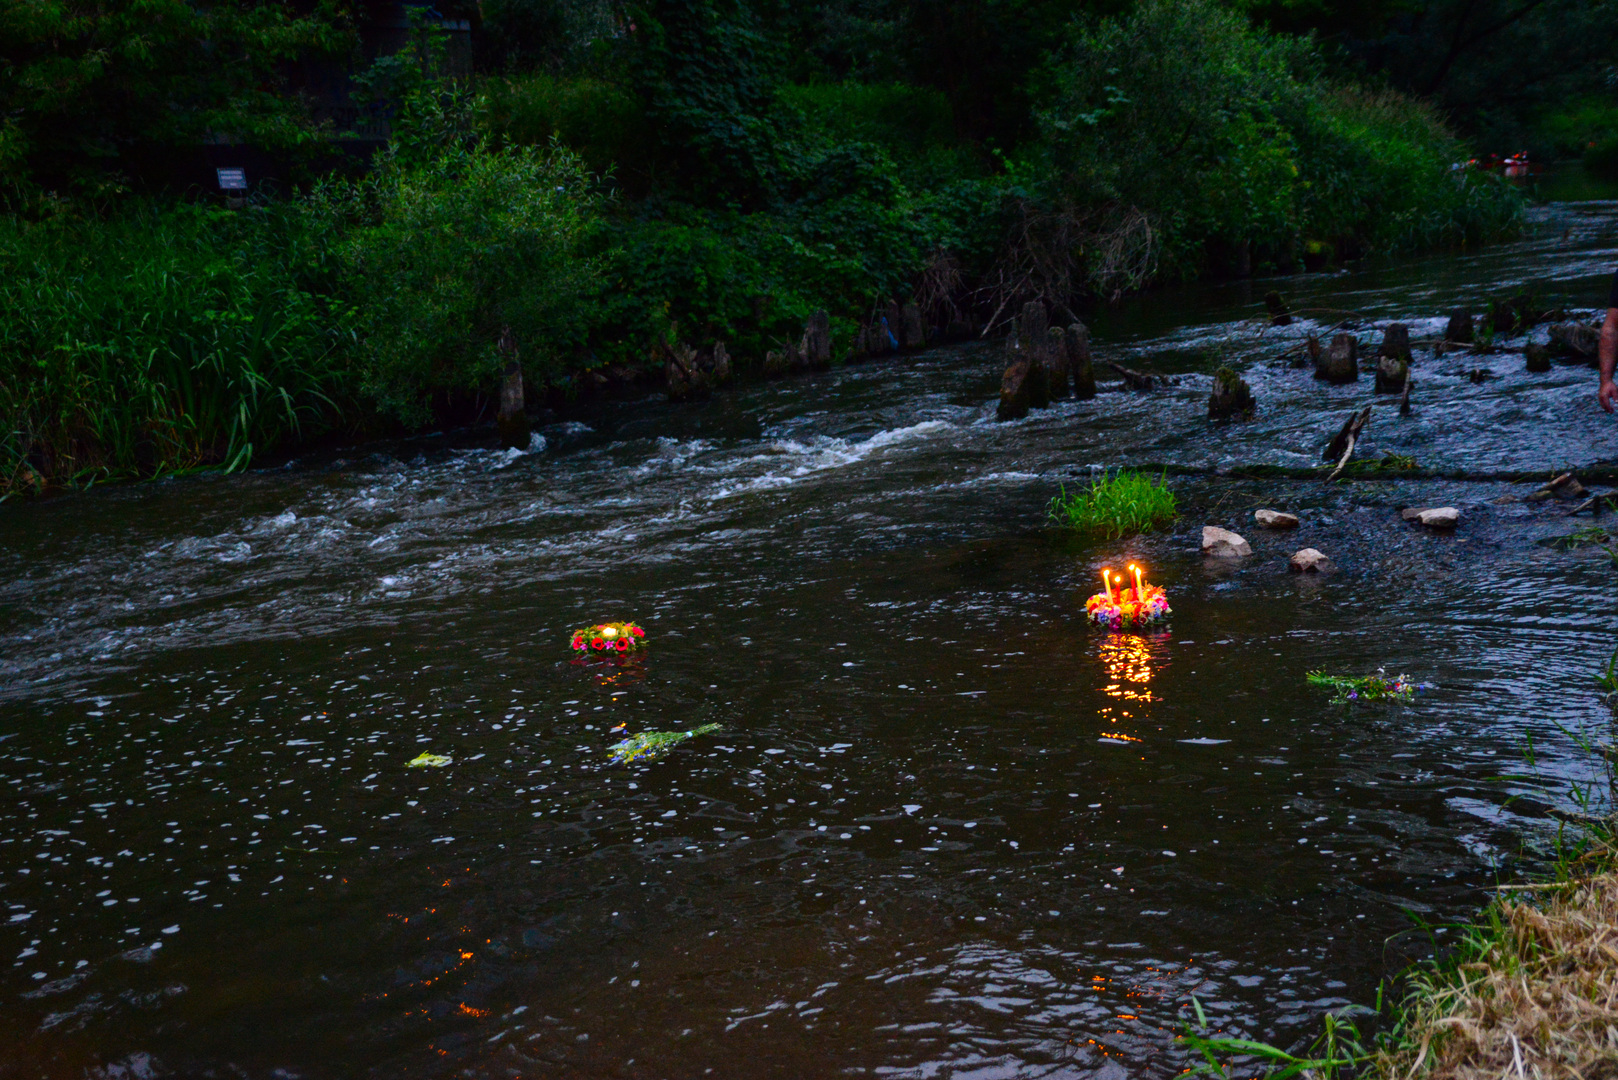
(1355, 688)
(649, 744)
(429, 761)
(1589, 536)
(1116, 506)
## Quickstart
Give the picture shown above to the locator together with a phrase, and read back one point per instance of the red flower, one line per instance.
(623, 646)
(598, 644)
(637, 631)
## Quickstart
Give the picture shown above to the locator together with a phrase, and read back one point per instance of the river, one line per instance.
(946, 830)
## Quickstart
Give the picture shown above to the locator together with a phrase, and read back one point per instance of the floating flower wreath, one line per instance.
(1139, 606)
(1352, 688)
(612, 637)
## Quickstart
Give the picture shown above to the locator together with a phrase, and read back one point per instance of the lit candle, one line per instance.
(1138, 591)
(1105, 584)
(609, 632)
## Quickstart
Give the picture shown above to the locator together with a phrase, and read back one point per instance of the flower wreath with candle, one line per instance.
(612, 637)
(1119, 609)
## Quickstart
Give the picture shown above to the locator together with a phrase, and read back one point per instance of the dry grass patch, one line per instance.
(1534, 995)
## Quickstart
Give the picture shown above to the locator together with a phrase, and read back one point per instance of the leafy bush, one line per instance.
(601, 122)
(1116, 506)
(1601, 159)
(446, 255)
(163, 339)
(86, 87)
(1379, 167)
(1574, 128)
(1221, 134)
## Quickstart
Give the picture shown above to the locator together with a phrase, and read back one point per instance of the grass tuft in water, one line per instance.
(1116, 506)
(1338, 1050)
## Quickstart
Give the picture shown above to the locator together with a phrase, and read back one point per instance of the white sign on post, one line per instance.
(232, 179)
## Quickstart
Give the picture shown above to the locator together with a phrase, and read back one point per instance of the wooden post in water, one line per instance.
(512, 417)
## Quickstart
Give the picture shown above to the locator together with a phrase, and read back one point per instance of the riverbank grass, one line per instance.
(1532, 989)
(1116, 506)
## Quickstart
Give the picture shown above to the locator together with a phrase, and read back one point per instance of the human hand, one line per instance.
(1608, 394)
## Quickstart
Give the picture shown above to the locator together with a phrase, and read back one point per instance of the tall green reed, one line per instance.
(163, 339)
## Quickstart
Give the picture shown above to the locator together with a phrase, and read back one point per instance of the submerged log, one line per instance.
(1341, 447)
(1015, 391)
(1033, 343)
(1458, 331)
(912, 330)
(684, 378)
(1231, 396)
(716, 364)
(1311, 350)
(1078, 358)
(1566, 486)
(1138, 380)
(1058, 366)
(1280, 313)
(1340, 361)
(512, 418)
(1577, 339)
(1393, 359)
(816, 346)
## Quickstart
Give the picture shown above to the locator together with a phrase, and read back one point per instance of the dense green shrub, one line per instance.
(445, 255)
(602, 122)
(89, 89)
(163, 339)
(1222, 134)
(1574, 127)
(1601, 159)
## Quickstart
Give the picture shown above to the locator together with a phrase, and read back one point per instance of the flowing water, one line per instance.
(946, 830)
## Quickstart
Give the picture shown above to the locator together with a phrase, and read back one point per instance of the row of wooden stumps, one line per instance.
(1339, 362)
(1044, 363)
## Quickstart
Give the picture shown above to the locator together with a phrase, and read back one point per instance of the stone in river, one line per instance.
(1309, 561)
(1443, 517)
(1275, 519)
(1538, 358)
(1413, 513)
(1223, 543)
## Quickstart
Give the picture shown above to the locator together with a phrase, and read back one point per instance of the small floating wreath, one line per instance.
(613, 637)
(1139, 606)
(1352, 688)
(651, 744)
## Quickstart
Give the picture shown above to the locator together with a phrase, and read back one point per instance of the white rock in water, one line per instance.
(1275, 519)
(1223, 543)
(1443, 517)
(1413, 513)
(1310, 561)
